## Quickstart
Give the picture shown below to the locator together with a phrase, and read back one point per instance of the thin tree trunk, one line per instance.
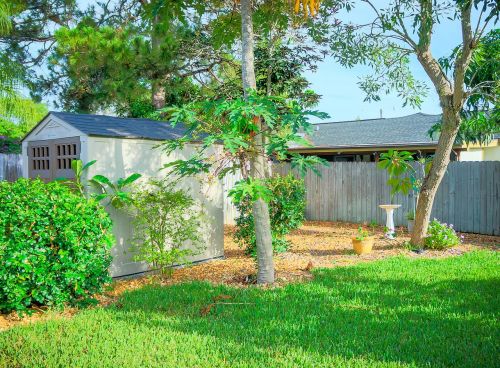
(451, 98)
(265, 273)
(158, 95)
(450, 126)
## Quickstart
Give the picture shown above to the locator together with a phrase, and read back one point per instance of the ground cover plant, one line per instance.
(440, 236)
(54, 245)
(397, 312)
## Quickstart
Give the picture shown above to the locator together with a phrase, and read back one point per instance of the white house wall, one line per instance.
(117, 158)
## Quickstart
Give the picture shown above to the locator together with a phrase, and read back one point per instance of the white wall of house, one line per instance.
(490, 152)
(475, 154)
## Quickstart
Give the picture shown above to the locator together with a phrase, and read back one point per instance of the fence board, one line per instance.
(468, 197)
(10, 167)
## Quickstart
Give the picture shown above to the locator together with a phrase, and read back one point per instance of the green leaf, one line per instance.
(305, 163)
(101, 179)
(88, 164)
(76, 166)
(252, 188)
(129, 180)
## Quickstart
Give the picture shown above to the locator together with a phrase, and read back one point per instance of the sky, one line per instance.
(342, 99)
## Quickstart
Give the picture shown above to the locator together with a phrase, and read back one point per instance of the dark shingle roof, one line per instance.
(406, 130)
(110, 126)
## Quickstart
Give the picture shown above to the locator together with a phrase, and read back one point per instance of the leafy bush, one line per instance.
(286, 208)
(9, 145)
(440, 236)
(54, 245)
(165, 219)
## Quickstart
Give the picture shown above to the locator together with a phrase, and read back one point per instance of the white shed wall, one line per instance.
(118, 158)
(51, 128)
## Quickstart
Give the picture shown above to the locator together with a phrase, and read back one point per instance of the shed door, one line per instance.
(51, 159)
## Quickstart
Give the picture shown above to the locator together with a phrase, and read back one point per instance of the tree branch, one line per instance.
(463, 58)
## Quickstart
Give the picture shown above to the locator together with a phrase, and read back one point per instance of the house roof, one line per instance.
(411, 130)
(110, 126)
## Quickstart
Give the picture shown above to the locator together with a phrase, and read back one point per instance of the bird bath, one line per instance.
(389, 209)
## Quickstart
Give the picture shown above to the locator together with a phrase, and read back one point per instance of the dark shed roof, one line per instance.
(110, 126)
(407, 130)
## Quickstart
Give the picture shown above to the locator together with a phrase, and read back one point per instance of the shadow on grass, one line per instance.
(420, 313)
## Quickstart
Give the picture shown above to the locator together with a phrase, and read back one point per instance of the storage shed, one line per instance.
(121, 146)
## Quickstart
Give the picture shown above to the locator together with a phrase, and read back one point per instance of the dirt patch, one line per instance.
(316, 244)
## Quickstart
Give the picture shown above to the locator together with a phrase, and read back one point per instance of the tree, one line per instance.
(280, 62)
(403, 29)
(17, 113)
(141, 56)
(481, 112)
(234, 124)
(31, 37)
(258, 162)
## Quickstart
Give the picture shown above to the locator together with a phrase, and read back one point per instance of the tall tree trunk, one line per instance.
(451, 97)
(158, 96)
(265, 273)
(450, 125)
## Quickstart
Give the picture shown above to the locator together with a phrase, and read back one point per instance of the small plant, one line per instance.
(362, 234)
(286, 197)
(386, 231)
(441, 236)
(373, 226)
(397, 164)
(403, 174)
(166, 221)
(410, 216)
(115, 193)
(54, 245)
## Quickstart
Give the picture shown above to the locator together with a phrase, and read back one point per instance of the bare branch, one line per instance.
(463, 59)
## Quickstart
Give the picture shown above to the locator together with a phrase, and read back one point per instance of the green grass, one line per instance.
(391, 313)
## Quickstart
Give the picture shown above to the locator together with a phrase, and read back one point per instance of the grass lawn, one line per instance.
(396, 312)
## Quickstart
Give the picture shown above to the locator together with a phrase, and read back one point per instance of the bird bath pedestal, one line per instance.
(389, 209)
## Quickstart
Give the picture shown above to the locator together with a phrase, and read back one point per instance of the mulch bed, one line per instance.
(316, 244)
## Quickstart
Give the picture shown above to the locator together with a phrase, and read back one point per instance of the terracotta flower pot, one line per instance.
(363, 246)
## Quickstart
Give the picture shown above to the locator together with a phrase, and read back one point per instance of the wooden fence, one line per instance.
(10, 167)
(468, 197)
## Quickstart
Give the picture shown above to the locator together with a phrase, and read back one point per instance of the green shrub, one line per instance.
(54, 245)
(166, 219)
(286, 209)
(440, 236)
